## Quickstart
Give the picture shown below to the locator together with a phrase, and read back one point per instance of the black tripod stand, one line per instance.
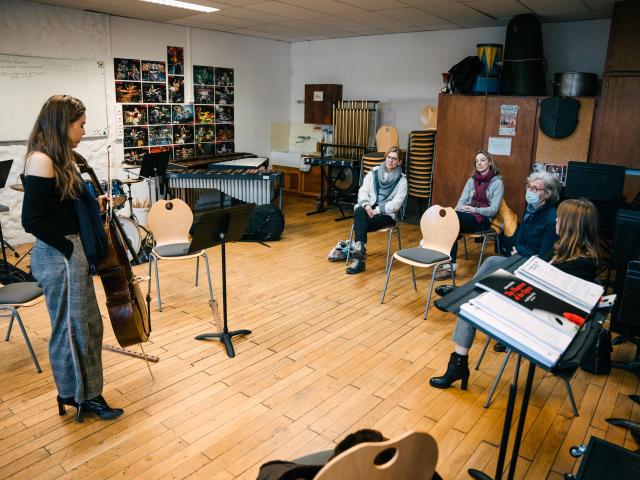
(219, 227)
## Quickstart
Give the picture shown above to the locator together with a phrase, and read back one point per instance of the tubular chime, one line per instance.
(354, 123)
(422, 146)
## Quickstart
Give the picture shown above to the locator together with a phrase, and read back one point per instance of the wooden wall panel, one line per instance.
(575, 147)
(623, 54)
(615, 137)
(516, 167)
(460, 135)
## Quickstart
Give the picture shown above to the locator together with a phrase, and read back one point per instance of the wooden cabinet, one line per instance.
(460, 136)
(318, 102)
(618, 123)
(623, 54)
(303, 183)
(515, 167)
(465, 124)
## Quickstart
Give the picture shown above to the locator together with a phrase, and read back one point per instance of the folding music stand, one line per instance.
(219, 227)
(568, 363)
(154, 165)
(5, 168)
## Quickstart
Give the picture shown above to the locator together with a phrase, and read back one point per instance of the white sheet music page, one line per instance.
(573, 289)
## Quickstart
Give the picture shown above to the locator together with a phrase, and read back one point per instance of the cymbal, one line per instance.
(18, 187)
(119, 200)
(130, 181)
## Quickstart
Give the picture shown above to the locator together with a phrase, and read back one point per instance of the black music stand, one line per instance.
(5, 168)
(568, 363)
(219, 227)
(154, 165)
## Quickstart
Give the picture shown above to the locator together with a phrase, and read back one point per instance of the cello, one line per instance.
(130, 317)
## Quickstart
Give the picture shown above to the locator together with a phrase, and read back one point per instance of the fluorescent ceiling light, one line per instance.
(187, 5)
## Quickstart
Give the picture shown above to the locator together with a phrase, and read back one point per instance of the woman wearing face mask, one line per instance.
(380, 197)
(536, 236)
(479, 202)
(537, 231)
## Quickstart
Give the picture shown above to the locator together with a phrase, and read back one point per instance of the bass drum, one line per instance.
(141, 239)
(132, 232)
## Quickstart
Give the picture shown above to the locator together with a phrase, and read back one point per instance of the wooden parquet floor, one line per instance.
(324, 359)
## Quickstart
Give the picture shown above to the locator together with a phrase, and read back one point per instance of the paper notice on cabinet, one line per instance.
(499, 146)
(508, 116)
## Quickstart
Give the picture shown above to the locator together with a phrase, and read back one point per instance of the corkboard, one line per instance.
(575, 147)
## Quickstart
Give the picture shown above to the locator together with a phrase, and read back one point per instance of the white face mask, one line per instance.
(532, 198)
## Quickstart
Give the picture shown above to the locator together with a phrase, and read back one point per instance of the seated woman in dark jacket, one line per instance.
(537, 231)
(575, 252)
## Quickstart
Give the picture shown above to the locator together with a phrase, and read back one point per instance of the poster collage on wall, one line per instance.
(155, 116)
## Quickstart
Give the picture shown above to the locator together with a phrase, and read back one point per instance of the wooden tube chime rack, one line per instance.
(354, 124)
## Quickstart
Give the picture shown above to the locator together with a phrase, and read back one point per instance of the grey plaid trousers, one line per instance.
(75, 345)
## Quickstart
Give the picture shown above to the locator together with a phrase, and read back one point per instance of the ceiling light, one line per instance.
(187, 5)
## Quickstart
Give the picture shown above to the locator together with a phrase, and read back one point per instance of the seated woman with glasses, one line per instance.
(479, 202)
(380, 198)
(536, 235)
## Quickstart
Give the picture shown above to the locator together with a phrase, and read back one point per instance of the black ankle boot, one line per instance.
(99, 407)
(62, 401)
(458, 369)
(356, 267)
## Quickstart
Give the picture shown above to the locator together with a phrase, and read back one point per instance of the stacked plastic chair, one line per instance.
(422, 147)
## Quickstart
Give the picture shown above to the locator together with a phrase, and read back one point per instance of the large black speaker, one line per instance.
(602, 184)
(523, 70)
(626, 239)
(625, 316)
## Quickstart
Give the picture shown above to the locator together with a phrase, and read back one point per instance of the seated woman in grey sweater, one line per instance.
(479, 202)
(380, 197)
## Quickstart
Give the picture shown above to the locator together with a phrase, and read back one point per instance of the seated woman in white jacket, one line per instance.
(379, 199)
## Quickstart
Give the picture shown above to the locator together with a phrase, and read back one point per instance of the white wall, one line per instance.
(403, 71)
(261, 75)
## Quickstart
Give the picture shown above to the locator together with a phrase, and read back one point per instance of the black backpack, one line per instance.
(597, 359)
(463, 74)
(266, 223)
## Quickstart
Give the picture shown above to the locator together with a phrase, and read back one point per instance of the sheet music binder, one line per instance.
(570, 359)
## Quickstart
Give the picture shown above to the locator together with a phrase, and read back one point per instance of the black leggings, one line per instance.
(468, 224)
(362, 223)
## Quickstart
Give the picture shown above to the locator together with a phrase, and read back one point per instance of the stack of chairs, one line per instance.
(422, 146)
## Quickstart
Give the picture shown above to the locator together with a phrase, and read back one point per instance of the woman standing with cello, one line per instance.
(52, 191)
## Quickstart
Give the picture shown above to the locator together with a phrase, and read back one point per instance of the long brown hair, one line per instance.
(578, 231)
(492, 162)
(49, 136)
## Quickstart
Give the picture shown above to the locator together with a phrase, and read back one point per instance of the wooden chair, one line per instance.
(387, 137)
(14, 296)
(411, 456)
(440, 227)
(505, 221)
(169, 222)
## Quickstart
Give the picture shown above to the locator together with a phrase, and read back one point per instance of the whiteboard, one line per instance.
(27, 82)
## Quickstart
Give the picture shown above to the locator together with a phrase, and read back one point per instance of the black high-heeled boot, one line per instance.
(62, 401)
(99, 407)
(458, 369)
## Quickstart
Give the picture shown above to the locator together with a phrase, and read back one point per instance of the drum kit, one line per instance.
(141, 239)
